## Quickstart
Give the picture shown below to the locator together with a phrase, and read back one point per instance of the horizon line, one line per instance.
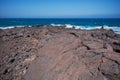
(59, 18)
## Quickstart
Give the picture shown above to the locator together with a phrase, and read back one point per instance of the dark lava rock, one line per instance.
(57, 53)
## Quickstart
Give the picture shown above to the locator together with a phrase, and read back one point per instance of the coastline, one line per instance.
(116, 29)
(82, 23)
(55, 52)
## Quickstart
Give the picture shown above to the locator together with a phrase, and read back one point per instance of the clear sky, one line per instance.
(59, 8)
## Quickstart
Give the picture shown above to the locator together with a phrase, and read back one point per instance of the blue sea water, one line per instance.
(76, 22)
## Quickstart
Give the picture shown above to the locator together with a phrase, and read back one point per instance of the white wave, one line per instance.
(69, 26)
(114, 28)
(106, 27)
(9, 27)
(56, 24)
(78, 27)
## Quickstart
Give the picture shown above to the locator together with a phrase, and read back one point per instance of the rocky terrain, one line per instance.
(57, 53)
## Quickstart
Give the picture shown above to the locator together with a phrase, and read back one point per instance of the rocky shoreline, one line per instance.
(58, 53)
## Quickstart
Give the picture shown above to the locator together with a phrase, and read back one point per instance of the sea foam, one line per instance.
(114, 28)
(10, 27)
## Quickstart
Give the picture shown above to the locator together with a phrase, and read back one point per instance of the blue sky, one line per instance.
(59, 8)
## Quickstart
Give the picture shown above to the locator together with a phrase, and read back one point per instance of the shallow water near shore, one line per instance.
(77, 23)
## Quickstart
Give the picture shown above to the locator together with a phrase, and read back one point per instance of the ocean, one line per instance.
(85, 23)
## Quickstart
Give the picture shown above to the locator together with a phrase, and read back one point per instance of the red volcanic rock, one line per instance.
(56, 53)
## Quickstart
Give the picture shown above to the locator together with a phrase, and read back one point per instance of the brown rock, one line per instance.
(56, 53)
